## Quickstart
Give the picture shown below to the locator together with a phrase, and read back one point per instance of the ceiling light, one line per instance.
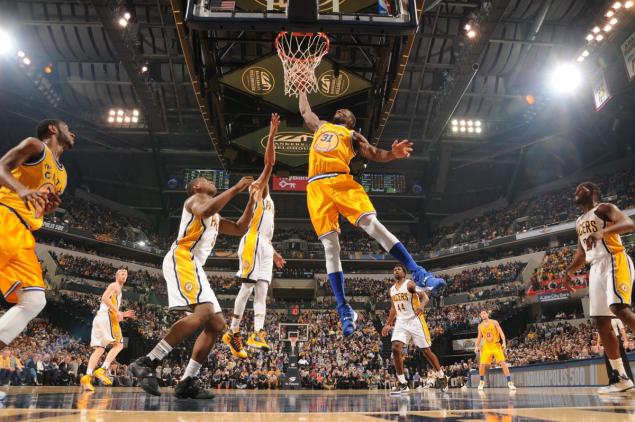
(462, 129)
(112, 112)
(478, 130)
(120, 112)
(470, 123)
(135, 119)
(609, 13)
(599, 37)
(585, 53)
(467, 27)
(111, 119)
(589, 37)
(628, 5)
(566, 78)
(26, 61)
(126, 119)
(6, 42)
(613, 21)
(21, 54)
(455, 122)
(616, 5)
(580, 59)
(471, 33)
(144, 68)
(596, 29)
(123, 22)
(607, 28)
(477, 123)
(462, 122)
(119, 119)
(127, 16)
(470, 129)
(135, 112)
(455, 129)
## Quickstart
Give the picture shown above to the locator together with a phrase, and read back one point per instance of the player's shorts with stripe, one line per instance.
(19, 266)
(187, 282)
(255, 258)
(493, 351)
(415, 329)
(610, 282)
(106, 330)
(329, 195)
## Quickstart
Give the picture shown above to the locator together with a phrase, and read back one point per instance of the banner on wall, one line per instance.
(291, 183)
(628, 51)
(601, 94)
(464, 344)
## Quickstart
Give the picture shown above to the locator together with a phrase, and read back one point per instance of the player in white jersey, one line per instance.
(408, 301)
(611, 273)
(256, 258)
(188, 287)
(106, 332)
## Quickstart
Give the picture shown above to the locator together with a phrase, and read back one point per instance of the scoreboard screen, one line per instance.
(219, 177)
(384, 183)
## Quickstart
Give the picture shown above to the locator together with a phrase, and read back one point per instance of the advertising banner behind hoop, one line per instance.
(628, 51)
(291, 183)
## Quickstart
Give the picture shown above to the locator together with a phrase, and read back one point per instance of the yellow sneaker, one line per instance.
(258, 341)
(86, 384)
(235, 343)
(100, 374)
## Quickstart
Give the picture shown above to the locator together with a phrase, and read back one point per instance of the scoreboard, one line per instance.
(383, 183)
(219, 177)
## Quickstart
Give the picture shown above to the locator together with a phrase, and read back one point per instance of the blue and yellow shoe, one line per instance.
(427, 280)
(348, 317)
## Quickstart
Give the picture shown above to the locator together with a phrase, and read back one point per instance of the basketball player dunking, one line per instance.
(106, 332)
(407, 312)
(31, 180)
(188, 287)
(490, 342)
(332, 191)
(256, 258)
(611, 274)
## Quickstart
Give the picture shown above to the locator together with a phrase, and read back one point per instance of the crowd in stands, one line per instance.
(550, 275)
(483, 276)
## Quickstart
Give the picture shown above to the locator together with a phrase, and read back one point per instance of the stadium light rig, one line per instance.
(6, 42)
(467, 127)
(120, 117)
(566, 78)
(605, 25)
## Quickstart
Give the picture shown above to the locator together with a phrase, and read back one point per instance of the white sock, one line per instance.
(240, 304)
(89, 372)
(401, 378)
(14, 321)
(260, 304)
(192, 369)
(440, 373)
(618, 365)
(160, 351)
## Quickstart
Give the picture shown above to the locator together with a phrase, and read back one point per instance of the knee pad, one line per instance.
(260, 297)
(331, 243)
(371, 225)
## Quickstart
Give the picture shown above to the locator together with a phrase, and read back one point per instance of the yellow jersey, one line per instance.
(331, 150)
(489, 333)
(43, 174)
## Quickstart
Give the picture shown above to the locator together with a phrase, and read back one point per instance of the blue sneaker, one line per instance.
(348, 317)
(427, 280)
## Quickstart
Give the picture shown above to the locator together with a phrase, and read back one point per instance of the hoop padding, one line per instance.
(301, 53)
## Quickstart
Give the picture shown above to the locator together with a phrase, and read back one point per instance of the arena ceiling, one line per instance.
(96, 65)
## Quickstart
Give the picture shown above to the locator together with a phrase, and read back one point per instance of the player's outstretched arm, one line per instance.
(501, 334)
(311, 120)
(621, 222)
(203, 206)
(391, 319)
(239, 228)
(270, 155)
(400, 149)
(477, 345)
(16, 156)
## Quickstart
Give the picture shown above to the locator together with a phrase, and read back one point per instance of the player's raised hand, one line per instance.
(244, 183)
(275, 122)
(401, 149)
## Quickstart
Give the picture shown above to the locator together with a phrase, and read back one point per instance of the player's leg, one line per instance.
(29, 304)
(485, 359)
(354, 204)
(189, 386)
(86, 381)
(611, 348)
(398, 358)
(324, 218)
(623, 273)
(505, 367)
(233, 339)
(258, 338)
(102, 373)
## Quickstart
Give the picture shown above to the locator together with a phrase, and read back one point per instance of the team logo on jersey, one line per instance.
(327, 142)
(246, 265)
(624, 287)
(258, 80)
(188, 287)
(330, 85)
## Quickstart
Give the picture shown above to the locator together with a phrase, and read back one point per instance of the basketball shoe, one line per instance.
(144, 370)
(427, 280)
(235, 343)
(400, 389)
(481, 385)
(100, 374)
(258, 341)
(621, 383)
(348, 317)
(191, 388)
(86, 383)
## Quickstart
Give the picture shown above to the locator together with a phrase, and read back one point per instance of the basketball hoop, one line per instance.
(293, 339)
(301, 53)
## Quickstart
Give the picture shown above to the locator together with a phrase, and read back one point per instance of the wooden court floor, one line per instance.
(131, 404)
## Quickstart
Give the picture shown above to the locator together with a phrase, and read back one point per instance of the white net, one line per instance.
(301, 53)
